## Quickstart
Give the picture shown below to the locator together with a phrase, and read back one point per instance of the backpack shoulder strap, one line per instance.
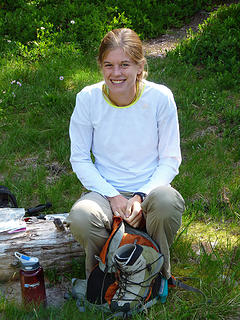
(173, 282)
(111, 245)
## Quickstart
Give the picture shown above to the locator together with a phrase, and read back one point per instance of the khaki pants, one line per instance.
(90, 221)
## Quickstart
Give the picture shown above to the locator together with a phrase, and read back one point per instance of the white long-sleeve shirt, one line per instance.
(136, 148)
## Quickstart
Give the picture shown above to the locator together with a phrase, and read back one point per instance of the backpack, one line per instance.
(127, 278)
(7, 199)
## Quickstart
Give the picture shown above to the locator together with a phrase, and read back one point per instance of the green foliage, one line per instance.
(85, 28)
(12, 5)
(216, 46)
(8, 97)
(85, 22)
(210, 133)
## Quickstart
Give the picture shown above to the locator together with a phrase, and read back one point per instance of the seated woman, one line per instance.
(131, 127)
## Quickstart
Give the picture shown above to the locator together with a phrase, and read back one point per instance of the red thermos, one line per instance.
(32, 280)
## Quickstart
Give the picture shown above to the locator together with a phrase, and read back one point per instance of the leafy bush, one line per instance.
(216, 46)
(150, 18)
(87, 21)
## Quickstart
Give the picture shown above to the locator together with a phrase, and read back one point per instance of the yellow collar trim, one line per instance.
(139, 90)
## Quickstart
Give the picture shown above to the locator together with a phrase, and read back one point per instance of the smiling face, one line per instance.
(120, 74)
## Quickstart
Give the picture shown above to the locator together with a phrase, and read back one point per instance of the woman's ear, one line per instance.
(140, 68)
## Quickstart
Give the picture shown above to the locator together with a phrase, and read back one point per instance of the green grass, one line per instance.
(34, 164)
(34, 126)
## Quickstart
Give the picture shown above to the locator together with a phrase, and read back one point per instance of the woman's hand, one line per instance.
(133, 214)
(118, 205)
(129, 210)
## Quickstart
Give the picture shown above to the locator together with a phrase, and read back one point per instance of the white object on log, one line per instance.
(53, 248)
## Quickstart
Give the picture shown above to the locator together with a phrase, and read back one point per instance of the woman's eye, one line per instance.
(125, 65)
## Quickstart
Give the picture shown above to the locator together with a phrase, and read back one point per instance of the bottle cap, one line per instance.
(27, 263)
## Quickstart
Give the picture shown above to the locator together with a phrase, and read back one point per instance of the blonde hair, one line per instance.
(129, 41)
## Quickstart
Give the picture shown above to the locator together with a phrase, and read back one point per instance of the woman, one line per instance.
(131, 127)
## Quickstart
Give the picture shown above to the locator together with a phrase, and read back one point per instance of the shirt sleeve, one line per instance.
(168, 145)
(81, 133)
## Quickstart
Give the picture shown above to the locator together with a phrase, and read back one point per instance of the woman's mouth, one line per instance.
(117, 81)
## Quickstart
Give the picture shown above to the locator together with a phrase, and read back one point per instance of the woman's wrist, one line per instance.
(140, 195)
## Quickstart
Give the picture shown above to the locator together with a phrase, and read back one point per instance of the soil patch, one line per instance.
(160, 46)
(55, 293)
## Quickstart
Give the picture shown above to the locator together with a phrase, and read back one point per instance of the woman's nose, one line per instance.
(116, 70)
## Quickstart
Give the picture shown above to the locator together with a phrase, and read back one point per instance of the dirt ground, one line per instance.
(55, 293)
(158, 47)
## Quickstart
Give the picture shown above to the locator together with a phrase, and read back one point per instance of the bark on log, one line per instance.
(53, 248)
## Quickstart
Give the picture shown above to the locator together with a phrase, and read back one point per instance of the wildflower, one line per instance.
(61, 78)
(12, 82)
(9, 41)
(72, 21)
(13, 94)
(19, 83)
(42, 28)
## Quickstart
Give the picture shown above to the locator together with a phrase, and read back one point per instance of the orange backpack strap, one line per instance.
(111, 292)
(112, 243)
(133, 238)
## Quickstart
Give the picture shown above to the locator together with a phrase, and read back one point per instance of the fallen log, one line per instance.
(53, 246)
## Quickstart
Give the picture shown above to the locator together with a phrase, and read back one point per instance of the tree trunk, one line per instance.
(42, 239)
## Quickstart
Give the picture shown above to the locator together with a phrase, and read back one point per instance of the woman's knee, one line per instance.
(163, 209)
(90, 213)
(79, 218)
(165, 202)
